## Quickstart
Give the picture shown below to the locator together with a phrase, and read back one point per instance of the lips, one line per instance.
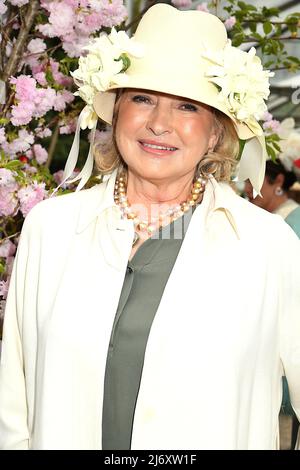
(158, 148)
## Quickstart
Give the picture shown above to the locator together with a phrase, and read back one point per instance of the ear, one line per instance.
(214, 137)
(279, 180)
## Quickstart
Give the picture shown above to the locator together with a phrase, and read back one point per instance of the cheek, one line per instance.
(128, 124)
(196, 132)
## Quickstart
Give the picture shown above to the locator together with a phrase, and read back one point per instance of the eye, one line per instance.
(189, 107)
(140, 99)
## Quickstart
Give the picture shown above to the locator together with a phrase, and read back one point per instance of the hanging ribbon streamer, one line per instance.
(70, 166)
(253, 163)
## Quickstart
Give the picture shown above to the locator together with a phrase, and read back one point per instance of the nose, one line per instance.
(160, 119)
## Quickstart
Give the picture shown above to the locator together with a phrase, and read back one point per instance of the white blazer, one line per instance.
(227, 327)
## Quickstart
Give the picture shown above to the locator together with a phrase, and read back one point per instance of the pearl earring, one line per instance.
(278, 191)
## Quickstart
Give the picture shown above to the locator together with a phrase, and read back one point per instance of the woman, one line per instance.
(114, 339)
(274, 198)
(274, 194)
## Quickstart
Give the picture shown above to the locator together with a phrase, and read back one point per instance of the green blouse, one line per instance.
(145, 280)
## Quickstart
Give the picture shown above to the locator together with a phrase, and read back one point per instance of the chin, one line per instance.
(151, 171)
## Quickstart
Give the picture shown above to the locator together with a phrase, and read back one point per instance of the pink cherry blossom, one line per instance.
(38, 67)
(8, 202)
(7, 248)
(22, 113)
(203, 7)
(18, 3)
(36, 46)
(69, 127)
(74, 3)
(91, 22)
(63, 98)
(2, 135)
(59, 177)
(7, 178)
(112, 11)
(230, 22)
(273, 125)
(42, 133)
(44, 101)
(267, 116)
(73, 44)
(22, 143)
(41, 78)
(59, 77)
(40, 154)
(182, 3)
(30, 195)
(31, 170)
(25, 136)
(3, 7)
(4, 288)
(61, 20)
(25, 87)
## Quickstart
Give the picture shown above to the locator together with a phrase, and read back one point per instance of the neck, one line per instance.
(153, 207)
(277, 202)
(152, 192)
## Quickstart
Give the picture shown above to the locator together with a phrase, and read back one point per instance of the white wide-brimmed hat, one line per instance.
(183, 53)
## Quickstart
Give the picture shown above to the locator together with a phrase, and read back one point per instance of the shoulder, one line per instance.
(293, 219)
(256, 222)
(61, 211)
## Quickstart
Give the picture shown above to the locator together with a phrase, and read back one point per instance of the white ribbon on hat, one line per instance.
(72, 159)
(252, 164)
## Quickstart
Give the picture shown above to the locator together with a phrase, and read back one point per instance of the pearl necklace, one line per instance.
(171, 214)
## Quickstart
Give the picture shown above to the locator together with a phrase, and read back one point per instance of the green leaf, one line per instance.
(251, 7)
(267, 27)
(276, 146)
(2, 268)
(271, 152)
(257, 36)
(293, 59)
(237, 39)
(274, 137)
(242, 5)
(126, 62)
(268, 64)
(14, 165)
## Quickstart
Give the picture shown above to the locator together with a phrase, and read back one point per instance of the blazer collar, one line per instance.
(221, 197)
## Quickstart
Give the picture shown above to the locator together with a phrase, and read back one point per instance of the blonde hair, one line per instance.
(220, 162)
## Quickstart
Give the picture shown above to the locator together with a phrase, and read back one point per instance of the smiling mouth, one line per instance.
(157, 147)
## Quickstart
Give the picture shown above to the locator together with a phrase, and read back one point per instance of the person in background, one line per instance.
(126, 314)
(274, 194)
(275, 198)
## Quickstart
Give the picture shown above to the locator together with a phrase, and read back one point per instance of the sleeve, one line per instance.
(290, 314)
(293, 220)
(13, 404)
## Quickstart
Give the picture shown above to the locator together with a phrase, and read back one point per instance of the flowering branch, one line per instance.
(14, 60)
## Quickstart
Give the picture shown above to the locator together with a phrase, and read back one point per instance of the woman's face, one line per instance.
(163, 136)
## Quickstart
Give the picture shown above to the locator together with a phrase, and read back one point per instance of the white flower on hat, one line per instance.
(242, 81)
(105, 64)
